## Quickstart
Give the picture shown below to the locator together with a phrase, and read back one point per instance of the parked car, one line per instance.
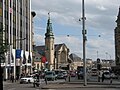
(50, 75)
(80, 74)
(94, 72)
(114, 76)
(60, 76)
(106, 74)
(72, 73)
(27, 79)
(61, 73)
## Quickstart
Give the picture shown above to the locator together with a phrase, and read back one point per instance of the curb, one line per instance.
(90, 83)
(79, 87)
(63, 86)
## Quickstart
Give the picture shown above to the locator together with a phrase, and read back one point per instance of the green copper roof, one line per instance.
(49, 32)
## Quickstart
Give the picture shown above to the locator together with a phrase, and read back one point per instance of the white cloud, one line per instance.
(101, 8)
(100, 19)
(39, 39)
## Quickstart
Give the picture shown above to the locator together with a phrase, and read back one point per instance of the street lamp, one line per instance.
(97, 54)
(84, 41)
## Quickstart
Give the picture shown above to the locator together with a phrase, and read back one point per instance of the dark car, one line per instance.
(50, 75)
(60, 76)
(80, 74)
(72, 73)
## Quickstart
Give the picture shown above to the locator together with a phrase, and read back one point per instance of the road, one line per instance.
(17, 86)
(88, 89)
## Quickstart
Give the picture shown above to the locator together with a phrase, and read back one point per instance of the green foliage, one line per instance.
(3, 48)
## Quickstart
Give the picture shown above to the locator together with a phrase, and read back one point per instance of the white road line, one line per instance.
(12, 89)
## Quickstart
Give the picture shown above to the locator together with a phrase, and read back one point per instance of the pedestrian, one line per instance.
(111, 76)
(12, 78)
(46, 81)
(101, 72)
(103, 77)
(17, 77)
(98, 76)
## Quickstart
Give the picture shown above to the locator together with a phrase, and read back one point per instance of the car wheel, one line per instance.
(28, 81)
(21, 82)
(52, 79)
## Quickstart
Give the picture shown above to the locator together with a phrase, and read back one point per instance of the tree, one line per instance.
(3, 49)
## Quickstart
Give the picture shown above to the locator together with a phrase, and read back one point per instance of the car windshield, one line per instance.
(106, 73)
(28, 76)
(94, 69)
(49, 73)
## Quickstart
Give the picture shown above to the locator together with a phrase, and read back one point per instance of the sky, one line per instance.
(65, 14)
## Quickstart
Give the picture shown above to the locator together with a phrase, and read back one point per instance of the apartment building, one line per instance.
(117, 40)
(15, 22)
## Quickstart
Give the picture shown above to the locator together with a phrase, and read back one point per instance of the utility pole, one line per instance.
(84, 41)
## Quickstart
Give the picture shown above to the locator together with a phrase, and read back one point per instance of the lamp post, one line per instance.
(97, 54)
(84, 41)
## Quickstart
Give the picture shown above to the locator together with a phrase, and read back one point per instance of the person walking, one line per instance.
(100, 76)
(12, 78)
(111, 77)
(103, 77)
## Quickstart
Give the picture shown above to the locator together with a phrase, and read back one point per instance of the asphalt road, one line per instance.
(18, 86)
(87, 89)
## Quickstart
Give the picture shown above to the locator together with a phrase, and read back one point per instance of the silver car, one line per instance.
(50, 75)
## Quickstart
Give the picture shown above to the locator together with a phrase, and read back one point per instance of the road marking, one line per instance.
(110, 89)
(12, 89)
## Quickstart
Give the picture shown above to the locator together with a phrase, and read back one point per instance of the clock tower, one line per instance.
(49, 44)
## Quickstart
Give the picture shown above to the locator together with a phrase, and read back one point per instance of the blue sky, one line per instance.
(65, 15)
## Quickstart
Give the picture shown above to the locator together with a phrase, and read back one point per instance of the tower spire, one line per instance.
(49, 15)
(49, 32)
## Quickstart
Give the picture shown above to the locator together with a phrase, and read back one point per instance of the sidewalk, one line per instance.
(78, 84)
(9, 82)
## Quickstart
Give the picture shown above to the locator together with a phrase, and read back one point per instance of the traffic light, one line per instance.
(98, 60)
